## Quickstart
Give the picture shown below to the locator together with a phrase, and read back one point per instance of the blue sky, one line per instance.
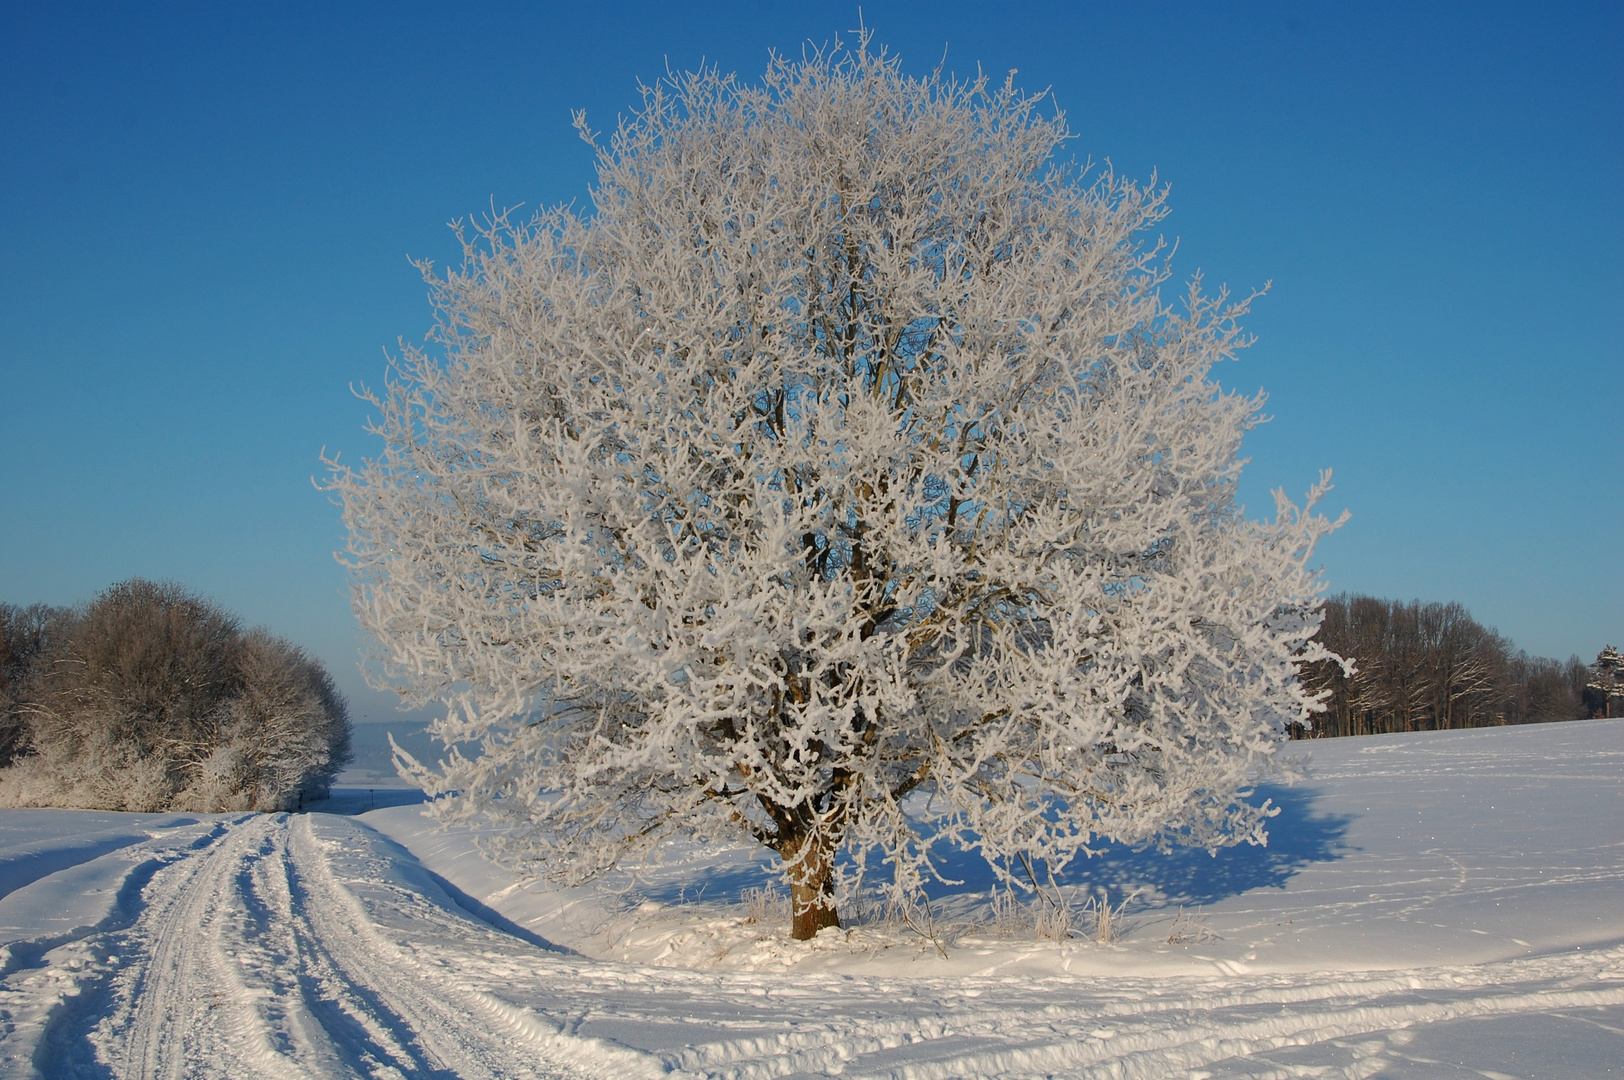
(206, 213)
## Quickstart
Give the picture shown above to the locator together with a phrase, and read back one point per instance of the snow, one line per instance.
(1429, 905)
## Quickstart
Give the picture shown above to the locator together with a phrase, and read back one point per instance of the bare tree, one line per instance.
(287, 728)
(1422, 666)
(1466, 661)
(25, 633)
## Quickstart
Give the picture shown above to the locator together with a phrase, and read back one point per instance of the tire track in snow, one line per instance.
(250, 960)
(307, 946)
(334, 1022)
(1140, 1029)
(60, 930)
(184, 1002)
(459, 1027)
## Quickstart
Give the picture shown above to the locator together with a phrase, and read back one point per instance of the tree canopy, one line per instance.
(838, 480)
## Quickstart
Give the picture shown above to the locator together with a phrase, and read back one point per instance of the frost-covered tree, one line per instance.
(283, 736)
(844, 451)
(152, 698)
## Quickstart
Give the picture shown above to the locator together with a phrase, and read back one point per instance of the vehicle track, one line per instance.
(309, 946)
(251, 961)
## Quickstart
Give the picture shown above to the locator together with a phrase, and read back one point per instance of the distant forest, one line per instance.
(1432, 667)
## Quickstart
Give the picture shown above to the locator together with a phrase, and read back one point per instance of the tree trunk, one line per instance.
(812, 888)
(814, 910)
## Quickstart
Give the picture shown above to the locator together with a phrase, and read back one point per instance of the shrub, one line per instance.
(152, 698)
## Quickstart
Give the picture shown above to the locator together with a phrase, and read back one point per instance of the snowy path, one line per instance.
(287, 946)
(238, 952)
(307, 946)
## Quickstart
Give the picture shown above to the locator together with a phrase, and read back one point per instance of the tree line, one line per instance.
(1430, 666)
(151, 698)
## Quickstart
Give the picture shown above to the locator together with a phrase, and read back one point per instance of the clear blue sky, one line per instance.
(206, 213)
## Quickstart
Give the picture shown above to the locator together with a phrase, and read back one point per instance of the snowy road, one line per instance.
(242, 953)
(311, 945)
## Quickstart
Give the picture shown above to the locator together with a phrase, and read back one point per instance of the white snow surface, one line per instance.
(1430, 905)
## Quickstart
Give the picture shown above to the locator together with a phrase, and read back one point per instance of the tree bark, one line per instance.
(812, 888)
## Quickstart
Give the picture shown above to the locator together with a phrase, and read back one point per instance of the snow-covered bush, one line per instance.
(153, 699)
(287, 726)
(844, 452)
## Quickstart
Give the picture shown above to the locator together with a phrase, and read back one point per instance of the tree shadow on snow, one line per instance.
(1299, 836)
(720, 881)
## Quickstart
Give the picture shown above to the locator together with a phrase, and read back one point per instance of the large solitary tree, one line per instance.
(843, 450)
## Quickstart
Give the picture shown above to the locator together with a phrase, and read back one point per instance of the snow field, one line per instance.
(1400, 851)
(1435, 905)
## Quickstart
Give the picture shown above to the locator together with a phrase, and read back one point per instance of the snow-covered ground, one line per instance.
(1432, 905)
